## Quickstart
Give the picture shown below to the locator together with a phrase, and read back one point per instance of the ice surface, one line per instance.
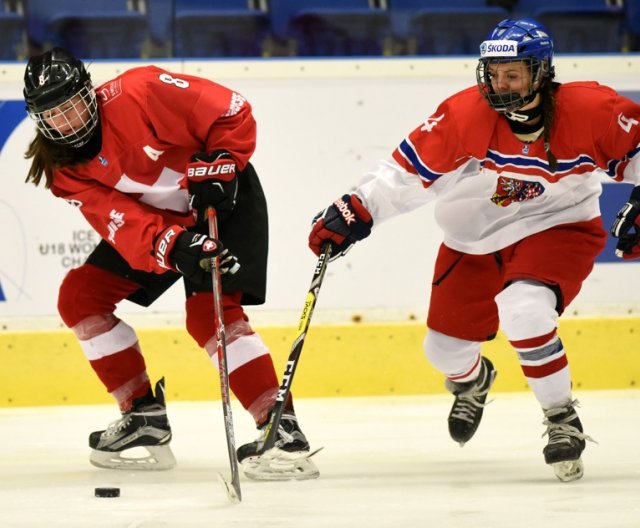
(387, 462)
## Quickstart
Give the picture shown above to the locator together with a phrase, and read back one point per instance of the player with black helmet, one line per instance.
(514, 165)
(60, 98)
(143, 156)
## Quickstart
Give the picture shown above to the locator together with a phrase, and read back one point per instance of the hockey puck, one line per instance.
(107, 492)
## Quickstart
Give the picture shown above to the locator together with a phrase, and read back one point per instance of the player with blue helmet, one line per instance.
(515, 41)
(514, 166)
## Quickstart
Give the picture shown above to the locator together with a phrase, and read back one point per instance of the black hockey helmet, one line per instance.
(57, 83)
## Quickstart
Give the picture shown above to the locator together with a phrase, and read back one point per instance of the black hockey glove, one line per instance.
(211, 181)
(193, 255)
(342, 224)
(626, 227)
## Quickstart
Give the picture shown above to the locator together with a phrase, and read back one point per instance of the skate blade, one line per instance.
(278, 465)
(151, 458)
(568, 470)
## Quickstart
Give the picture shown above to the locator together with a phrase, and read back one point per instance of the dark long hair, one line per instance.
(548, 94)
(48, 156)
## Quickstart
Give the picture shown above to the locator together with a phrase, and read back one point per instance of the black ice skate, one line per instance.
(469, 404)
(566, 442)
(289, 458)
(145, 426)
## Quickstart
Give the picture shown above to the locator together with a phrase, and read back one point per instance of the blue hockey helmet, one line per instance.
(512, 40)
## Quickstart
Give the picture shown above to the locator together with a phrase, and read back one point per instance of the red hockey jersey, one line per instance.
(493, 189)
(152, 123)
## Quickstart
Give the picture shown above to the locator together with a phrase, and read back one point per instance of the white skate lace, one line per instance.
(467, 403)
(560, 433)
(284, 437)
(117, 426)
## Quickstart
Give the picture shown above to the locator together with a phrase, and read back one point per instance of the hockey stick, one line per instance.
(233, 488)
(271, 434)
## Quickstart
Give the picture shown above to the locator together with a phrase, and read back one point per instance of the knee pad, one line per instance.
(527, 309)
(201, 320)
(450, 355)
(88, 290)
(68, 297)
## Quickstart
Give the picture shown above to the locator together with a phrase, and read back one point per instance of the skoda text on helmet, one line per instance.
(60, 98)
(515, 40)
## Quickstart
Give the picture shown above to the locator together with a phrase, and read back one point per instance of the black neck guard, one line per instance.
(524, 116)
(90, 149)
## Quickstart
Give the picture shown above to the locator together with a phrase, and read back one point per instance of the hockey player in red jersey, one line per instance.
(143, 156)
(514, 165)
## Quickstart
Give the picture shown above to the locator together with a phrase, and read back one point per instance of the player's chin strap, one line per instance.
(522, 116)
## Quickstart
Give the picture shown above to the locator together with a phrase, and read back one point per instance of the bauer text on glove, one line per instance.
(212, 182)
(342, 224)
(626, 227)
(193, 255)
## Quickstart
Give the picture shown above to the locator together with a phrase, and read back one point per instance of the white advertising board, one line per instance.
(321, 125)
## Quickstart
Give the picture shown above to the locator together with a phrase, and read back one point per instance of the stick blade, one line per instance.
(233, 495)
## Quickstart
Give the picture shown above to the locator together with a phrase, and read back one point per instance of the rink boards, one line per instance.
(49, 368)
(341, 117)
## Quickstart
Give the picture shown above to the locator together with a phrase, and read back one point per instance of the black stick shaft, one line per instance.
(296, 349)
